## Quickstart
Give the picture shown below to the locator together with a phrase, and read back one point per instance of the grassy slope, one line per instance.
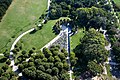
(19, 17)
(75, 40)
(117, 2)
(41, 37)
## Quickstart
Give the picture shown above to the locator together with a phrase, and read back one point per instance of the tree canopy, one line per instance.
(91, 52)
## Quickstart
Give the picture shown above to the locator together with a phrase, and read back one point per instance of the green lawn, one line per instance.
(19, 18)
(41, 37)
(75, 39)
(117, 2)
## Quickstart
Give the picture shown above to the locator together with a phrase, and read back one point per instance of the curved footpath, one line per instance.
(1, 54)
(15, 68)
(13, 46)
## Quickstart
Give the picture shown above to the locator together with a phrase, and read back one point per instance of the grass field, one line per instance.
(41, 37)
(19, 18)
(75, 39)
(117, 2)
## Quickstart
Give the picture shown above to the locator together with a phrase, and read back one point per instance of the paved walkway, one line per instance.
(49, 1)
(13, 46)
(108, 48)
(1, 54)
(52, 41)
(15, 68)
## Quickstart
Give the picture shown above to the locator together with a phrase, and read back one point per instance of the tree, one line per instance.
(45, 65)
(55, 53)
(55, 78)
(25, 64)
(6, 54)
(41, 75)
(14, 78)
(55, 71)
(93, 44)
(94, 68)
(116, 51)
(31, 60)
(73, 62)
(41, 67)
(1, 71)
(30, 64)
(40, 55)
(55, 13)
(7, 75)
(8, 62)
(3, 78)
(91, 50)
(38, 61)
(24, 52)
(47, 52)
(51, 59)
(62, 56)
(5, 67)
(49, 71)
(3, 7)
(48, 77)
(44, 59)
(59, 65)
(21, 67)
(66, 66)
(57, 59)
(65, 77)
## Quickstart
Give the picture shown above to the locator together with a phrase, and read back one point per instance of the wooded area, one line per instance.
(4, 4)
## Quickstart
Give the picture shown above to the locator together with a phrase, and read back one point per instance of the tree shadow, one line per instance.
(34, 31)
(2, 60)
